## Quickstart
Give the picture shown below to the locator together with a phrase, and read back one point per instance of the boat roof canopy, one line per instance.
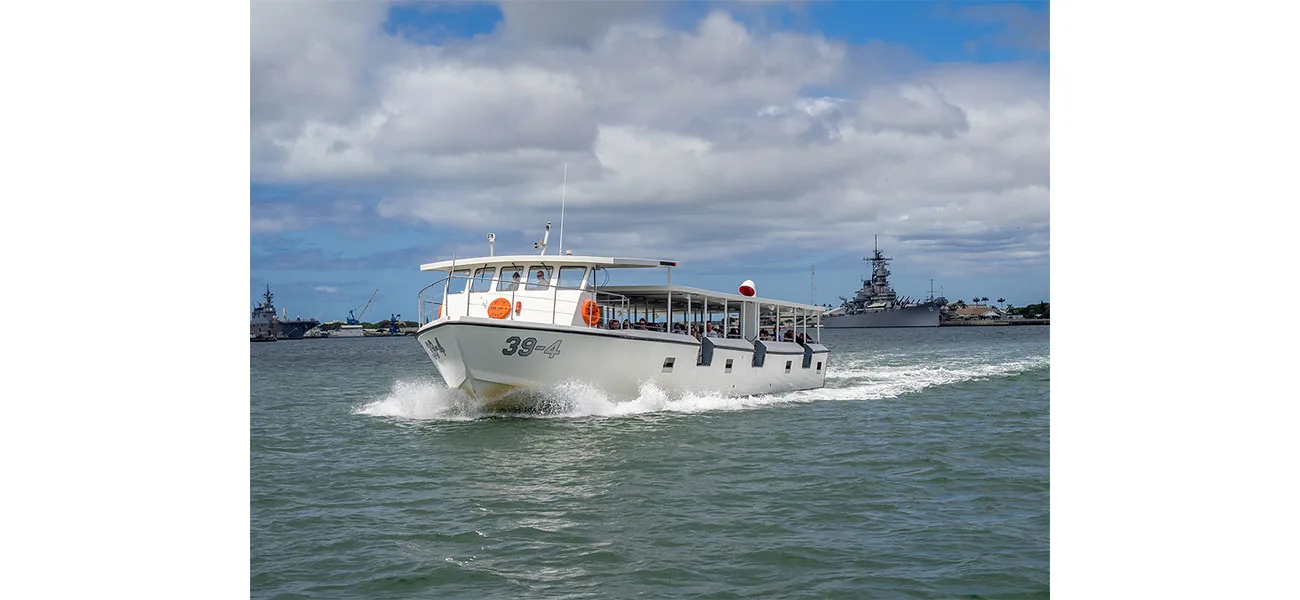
(538, 259)
(657, 296)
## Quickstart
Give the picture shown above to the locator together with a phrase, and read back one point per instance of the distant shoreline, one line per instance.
(993, 323)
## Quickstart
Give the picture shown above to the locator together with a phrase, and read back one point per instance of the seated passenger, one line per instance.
(540, 284)
(641, 324)
(627, 324)
(514, 283)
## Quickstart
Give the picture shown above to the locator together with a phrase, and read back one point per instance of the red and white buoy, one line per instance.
(747, 288)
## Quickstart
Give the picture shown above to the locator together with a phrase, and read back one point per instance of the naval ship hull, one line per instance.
(265, 326)
(294, 330)
(926, 315)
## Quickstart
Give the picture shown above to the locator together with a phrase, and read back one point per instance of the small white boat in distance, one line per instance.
(499, 323)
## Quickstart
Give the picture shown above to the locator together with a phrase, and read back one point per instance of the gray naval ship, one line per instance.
(876, 304)
(266, 327)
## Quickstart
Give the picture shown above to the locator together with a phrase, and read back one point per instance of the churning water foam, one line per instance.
(429, 399)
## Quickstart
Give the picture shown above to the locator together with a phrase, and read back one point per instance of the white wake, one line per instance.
(428, 399)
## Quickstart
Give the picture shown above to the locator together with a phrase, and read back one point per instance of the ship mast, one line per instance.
(879, 286)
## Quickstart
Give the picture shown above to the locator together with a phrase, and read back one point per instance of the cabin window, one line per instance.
(787, 365)
(571, 277)
(729, 364)
(458, 280)
(668, 364)
(510, 278)
(819, 366)
(539, 277)
(482, 280)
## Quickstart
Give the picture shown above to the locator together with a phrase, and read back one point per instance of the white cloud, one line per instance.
(454, 108)
(912, 108)
(697, 144)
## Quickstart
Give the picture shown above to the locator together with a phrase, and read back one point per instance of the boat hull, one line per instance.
(925, 315)
(488, 358)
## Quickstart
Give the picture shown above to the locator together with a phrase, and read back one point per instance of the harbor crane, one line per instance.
(356, 320)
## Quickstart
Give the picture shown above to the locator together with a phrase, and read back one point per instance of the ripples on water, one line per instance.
(921, 470)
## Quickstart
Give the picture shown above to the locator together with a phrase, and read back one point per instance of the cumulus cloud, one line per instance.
(912, 109)
(569, 22)
(698, 144)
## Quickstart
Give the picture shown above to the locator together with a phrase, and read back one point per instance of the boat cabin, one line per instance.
(531, 288)
(572, 291)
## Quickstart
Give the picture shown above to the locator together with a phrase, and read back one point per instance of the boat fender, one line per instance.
(519, 307)
(439, 311)
(590, 312)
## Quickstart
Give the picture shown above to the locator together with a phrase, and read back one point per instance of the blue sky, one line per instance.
(746, 140)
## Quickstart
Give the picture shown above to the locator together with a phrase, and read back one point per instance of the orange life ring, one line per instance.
(499, 308)
(519, 307)
(590, 312)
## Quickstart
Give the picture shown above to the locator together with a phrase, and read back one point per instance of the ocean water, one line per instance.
(920, 471)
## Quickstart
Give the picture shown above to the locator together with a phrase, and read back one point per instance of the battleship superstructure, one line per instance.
(876, 305)
(265, 326)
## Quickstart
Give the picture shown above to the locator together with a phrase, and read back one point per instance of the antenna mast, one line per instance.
(564, 191)
(542, 244)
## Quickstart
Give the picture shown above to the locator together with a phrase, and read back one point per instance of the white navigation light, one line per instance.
(747, 288)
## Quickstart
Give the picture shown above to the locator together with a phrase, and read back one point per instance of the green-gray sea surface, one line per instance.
(920, 471)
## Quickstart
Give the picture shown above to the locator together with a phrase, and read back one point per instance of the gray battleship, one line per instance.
(876, 304)
(265, 326)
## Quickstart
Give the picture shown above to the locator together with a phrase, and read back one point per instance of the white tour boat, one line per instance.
(499, 323)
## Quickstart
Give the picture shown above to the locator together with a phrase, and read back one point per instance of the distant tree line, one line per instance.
(1042, 310)
(368, 325)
